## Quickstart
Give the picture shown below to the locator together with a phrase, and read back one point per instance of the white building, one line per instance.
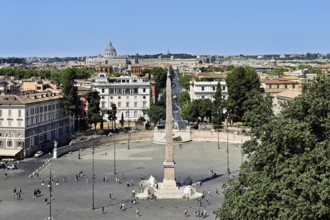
(131, 95)
(31, 122)
(206, 89)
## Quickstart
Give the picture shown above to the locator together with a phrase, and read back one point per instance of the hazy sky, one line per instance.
(214, 27)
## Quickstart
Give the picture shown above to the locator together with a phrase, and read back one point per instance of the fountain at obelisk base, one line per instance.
(168, 188)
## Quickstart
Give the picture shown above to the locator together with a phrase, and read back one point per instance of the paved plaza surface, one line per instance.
(72, 199)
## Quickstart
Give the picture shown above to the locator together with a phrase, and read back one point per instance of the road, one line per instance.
(176, 107)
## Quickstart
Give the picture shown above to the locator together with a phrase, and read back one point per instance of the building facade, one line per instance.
(31, 122)
(206, 89)
(131, 95)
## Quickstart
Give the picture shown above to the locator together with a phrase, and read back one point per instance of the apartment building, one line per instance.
(32, 121)
(131, 95)
(206, 89)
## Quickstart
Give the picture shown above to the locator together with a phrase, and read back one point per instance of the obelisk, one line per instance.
(169, 164)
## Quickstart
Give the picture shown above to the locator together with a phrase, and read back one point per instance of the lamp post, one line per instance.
(227, 151)
(114, 150)
(128, 134)
(50, 187)
(93, 177)
(218, 139)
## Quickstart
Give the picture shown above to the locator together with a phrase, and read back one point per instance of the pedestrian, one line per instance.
(110, 196)
(133, 193)
(204, 213)
(19, 190)
(46, 200)
(132, 183)
(103, 210)
(185, 212)
(217, 191)
(104, 179)
(14, 191)
(127, 184)
(208, 193)
(86, 179)
(137, 211)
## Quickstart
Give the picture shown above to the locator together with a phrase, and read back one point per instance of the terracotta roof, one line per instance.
(288, 94)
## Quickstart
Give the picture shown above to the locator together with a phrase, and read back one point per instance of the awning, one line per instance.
(9, 153)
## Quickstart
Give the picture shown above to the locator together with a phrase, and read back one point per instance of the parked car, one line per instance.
(11, 166)
(38, 154)
(2, 165)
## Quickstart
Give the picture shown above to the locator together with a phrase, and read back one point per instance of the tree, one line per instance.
(258, 113)
(112, 114)
(184, 81)
(183, 98)
(205, 108)
(71, 100)
(218, 106)
(241, 81)
(156, 112)
(122, 120)
(287, 173)
(94, 110)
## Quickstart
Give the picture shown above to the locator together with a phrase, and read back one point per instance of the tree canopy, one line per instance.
(94, 111)
(71, 100)
(241, 81)
(218, 106)
(287, 173)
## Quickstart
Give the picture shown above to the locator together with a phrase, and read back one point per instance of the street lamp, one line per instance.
(50, 187)
(227, 151)
(93, 177)
(128, 134)
(218, 139)
(114, 150)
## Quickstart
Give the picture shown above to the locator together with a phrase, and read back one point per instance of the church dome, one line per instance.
(110, 51)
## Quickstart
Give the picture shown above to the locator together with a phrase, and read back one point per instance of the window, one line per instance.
(135, 97)
(0, 143)
(202, 97)
(102, 97)
(0, 123)
(127, 114)
(19, 113)
(9, 113)
(102, 90)
(144, 89)
(111, 91)
(135, 104)
(119, 97)
(136, 90)
(127, 104)
(213, 88)
(293, 86)
(127, 91)
(111, 97)
(49, 107)
(224, 88)
(45, 108)
(277, 86)
(127, 97)
(144, 97)
(37, 110)
(202, 88)
(19, 123)
(119, 104)
(9, 144)
(135, 114)
(9, 123)
(286, 86)
(103, 104)
(0, 113)
(144, 104)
